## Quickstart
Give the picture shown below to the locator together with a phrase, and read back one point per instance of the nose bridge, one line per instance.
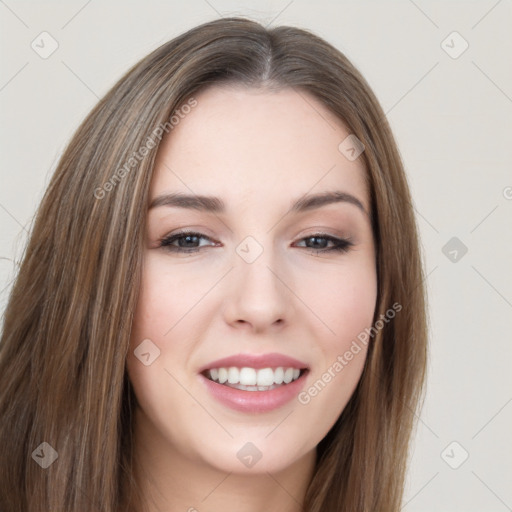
(260, 296)
(255, 263)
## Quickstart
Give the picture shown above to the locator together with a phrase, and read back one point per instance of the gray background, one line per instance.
(451, 114)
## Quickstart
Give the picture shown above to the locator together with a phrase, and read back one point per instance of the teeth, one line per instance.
(248, 377)
(279, 376)
(254, 379)
(223, 375)
(265, 377)
(233, 375)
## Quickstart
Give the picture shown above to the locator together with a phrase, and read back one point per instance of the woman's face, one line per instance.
(257, 282)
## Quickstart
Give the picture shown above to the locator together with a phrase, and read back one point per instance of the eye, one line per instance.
(187, 242)
(320, 240)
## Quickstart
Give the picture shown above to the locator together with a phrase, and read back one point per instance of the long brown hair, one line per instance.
(68, 320)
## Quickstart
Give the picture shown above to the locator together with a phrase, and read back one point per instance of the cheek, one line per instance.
(344, 301)
(159, 396)
(166, 298)
(355, 308)
(153, 318)
(161, 328)
(348, 308)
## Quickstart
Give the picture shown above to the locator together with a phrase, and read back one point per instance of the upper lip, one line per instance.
(257, 361)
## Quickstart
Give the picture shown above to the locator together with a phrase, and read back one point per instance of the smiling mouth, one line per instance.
(252, 379)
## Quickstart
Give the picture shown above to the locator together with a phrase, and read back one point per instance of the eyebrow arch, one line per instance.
(216, 205)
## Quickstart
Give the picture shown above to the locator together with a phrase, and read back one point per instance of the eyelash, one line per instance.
(341, 245)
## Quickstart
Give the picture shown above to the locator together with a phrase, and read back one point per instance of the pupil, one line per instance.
(316, 238)
(188, 237)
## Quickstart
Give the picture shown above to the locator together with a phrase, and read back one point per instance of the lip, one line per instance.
(254, 401)
(256, 361)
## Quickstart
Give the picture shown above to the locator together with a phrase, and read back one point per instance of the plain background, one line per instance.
(451, 115)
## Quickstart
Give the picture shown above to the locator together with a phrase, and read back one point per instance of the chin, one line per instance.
(252, 457)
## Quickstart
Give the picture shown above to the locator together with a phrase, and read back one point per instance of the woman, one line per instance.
(221, 305)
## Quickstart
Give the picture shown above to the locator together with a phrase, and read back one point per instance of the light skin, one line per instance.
(258, 151)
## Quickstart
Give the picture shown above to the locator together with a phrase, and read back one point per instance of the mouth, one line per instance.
(273, 388)
(254, 379)
(254, 383)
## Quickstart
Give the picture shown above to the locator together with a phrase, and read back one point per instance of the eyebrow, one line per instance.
(216, 205)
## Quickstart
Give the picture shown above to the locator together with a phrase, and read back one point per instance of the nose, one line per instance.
(259, 297)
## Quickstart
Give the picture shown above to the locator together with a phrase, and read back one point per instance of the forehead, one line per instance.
(239, 143)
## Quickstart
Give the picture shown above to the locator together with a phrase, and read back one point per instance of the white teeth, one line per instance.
(254, 379)
(265, 377)
(288, 375)
(233, 375)
(247, 377)
(223, 375)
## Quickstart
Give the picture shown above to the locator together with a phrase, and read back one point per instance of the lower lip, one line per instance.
(254, 401)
